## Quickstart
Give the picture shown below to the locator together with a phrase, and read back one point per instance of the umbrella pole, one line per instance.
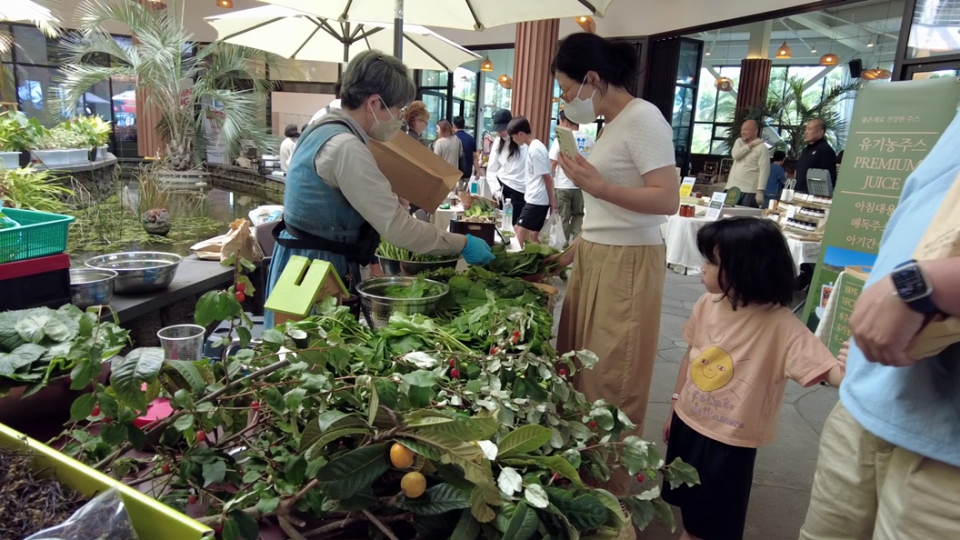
(398, 30)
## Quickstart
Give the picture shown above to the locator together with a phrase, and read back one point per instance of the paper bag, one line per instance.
(239, 240)
(415, 173)
(941, 241)
(209, 249)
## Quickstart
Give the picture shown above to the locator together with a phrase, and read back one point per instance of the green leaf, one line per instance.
(387, 392)
(678, 473)
(206, 312)
(22, 356)
(436, 500)
(426, 379)
(113, 434)
(231, 530)
(295, 470)
(267, 506)
(374, 404)
(604, 419)
(275, 400)
(184, 423)
(327, 421)
(665, 512)
(249, 530)
(317, 444)
(190, 373)
(642, 512)
(551, 463)
(479, 507)
(294, 398)
(421, 396)
(536, 495)
(523, 524)
(467, 528)
(83, 407)
(588, 359)
(424, 450)
(467, 429)
(213, 473)
(243, 334)
(346, 475)
(140, 366)
(46, 324)
(523, 440)
(639, 455)
(586, 512)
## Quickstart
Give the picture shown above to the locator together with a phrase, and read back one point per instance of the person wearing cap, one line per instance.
(507, 171)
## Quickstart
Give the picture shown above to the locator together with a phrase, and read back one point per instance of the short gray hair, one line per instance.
(374, 72)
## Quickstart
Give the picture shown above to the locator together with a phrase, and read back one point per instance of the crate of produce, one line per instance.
(39, 234)
(151, 519)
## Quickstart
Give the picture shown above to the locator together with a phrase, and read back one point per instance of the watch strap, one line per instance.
(923, 305)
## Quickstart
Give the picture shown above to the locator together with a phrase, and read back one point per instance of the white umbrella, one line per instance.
(462, 14)
(300, 36)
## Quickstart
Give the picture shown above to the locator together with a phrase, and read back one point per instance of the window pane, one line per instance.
(682, 107)
(726, 105)
(6, 55)
(32, 47)
(96, 101)
(8, 91)
(707, 100)
(935, 29)
(38, 96)
(437, 107)
(687, 69)
(702, 134)
(124, 100)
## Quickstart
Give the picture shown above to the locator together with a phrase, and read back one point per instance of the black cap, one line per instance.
(500, 120)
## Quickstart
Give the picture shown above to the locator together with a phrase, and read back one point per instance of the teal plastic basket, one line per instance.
(39, 234)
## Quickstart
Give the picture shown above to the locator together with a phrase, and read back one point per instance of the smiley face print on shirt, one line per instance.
(712, 369)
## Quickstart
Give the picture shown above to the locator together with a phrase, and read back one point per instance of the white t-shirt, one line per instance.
(538, 164)
(637, 141)
(335, 104)
(584, 145)
(509, 170)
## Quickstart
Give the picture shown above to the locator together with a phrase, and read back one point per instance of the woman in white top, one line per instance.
(539, 197)
(630, 186)
(507, 169)
(287, 146)
(448, 145)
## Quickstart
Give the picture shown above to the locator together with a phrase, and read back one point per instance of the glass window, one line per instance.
(433, 79)
(32, 47)
(6, 55)
(437, 107)
(935, 29)
(124, 102)
(38, 95)
(689, 62)
(8, 90)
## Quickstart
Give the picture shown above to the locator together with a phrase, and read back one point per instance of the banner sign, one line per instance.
(894, 126)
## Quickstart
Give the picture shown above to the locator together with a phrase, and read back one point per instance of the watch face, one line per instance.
(910, 283)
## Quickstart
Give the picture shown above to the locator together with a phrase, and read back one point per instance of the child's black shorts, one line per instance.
(717, 508)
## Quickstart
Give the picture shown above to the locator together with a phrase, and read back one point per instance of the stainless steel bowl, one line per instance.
(91, 287)
(139, 271)
(381, 307)
(393, 267)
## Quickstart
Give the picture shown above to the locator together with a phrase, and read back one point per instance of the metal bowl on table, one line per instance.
(373, 296)
(91, 287)
(393, 267)
(139, 272)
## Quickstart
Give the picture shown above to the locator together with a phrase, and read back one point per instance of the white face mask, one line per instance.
(581, 111)
(386, 130)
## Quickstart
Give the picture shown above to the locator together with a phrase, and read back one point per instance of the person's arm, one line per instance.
(548, 184)
(883, 325)
(740, 150)
(554, 152)
(681, 380)
(346, 163)
(660, 195)
(764, 174)
(493, 167)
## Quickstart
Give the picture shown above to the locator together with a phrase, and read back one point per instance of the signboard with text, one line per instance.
(848, 289)
(894, 126)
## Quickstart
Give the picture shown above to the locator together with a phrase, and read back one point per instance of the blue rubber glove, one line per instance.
(476, 251)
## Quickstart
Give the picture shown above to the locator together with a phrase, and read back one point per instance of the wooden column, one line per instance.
(148, 115)
(532, 80)
(754, 81)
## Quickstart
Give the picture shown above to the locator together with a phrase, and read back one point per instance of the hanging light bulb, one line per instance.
(724, 84)
(813, 50)
(227, 4)
(707, 53)
(829, 59)
(875, 73)
(486, 65)
(586, 23)
(505, 81)
(784, 51)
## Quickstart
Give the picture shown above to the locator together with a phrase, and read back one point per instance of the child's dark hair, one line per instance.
(755, 263)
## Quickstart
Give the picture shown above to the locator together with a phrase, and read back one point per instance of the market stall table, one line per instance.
(680, 235)
(803, 251)
(443, 216)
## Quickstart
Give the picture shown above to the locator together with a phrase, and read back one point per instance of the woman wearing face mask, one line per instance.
(629, 184)
(507, 170)
(337, 203)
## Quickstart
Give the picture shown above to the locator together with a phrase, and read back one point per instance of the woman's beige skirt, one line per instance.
(612, 307)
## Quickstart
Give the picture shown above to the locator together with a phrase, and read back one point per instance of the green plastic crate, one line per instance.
(151, 519)
(39, 234)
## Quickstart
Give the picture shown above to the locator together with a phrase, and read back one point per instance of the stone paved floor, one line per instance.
(784, 470)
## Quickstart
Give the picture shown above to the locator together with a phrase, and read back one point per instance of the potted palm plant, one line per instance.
(179, 86)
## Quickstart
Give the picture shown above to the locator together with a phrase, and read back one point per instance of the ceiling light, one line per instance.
(724, 84)
(784, 51)
(486, 65)
(707, 53)
(587, 24)
(225, 3)
(505, 81)
(870, 44)
(875, 73)
(829, 59)
(813, 50)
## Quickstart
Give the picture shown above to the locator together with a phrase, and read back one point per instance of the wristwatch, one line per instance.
(913, 288)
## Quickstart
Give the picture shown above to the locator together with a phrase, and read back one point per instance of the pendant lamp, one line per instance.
(724, 84)
(486, 65)
(227, 4)
(587, 24)
(784, 51)
(829, 59)
(505, 81)
(875, 73)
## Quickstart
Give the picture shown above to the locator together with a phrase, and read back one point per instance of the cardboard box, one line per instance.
(416, 174)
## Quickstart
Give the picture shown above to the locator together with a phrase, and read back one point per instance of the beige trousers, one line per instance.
(868, 489)
(612, 307)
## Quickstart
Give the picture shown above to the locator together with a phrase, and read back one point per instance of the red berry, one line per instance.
(240, 296)
(218, 529)
(640, 477)
(494, 350)
(192, 499)
(165, 469)
(241, 287)
(201, 436)
(96, 411)
(453, 362)
(562, 371)
(593, 424)
(255, 405)
(516, 337)
(555, 477)
(455, 373)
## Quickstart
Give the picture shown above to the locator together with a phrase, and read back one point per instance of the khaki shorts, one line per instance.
(868, 489)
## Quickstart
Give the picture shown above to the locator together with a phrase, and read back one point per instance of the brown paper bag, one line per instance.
(941, 241)
(209, 249)
(239, 240)
(415, 173)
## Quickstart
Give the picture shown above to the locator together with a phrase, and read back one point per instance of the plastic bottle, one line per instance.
(474, 186)
(507, 223)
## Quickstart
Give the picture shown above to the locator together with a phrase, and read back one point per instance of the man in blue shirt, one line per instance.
(469, 147)
(777, 177)
(889, 462)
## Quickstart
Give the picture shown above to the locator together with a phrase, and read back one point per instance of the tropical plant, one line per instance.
(62, 137)
(178, 87)
(19, 133)
(33, 189)
(95, 130)
(790, 111)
